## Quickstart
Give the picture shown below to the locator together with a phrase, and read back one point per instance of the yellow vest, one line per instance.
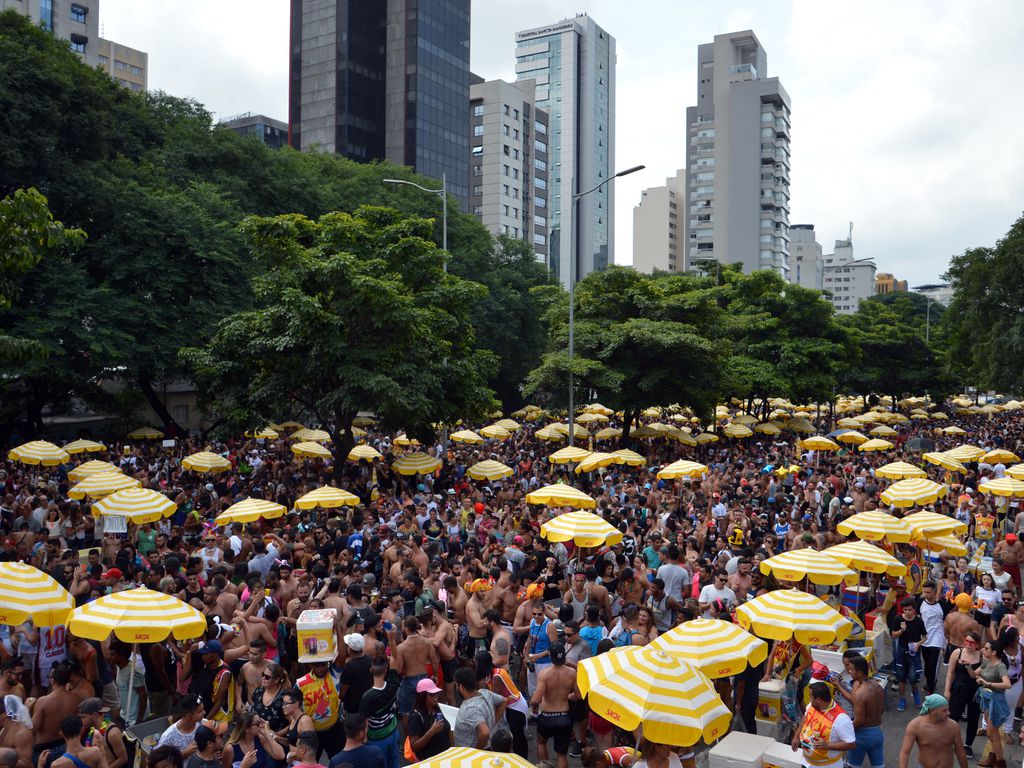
(818, 728)
(320, 700)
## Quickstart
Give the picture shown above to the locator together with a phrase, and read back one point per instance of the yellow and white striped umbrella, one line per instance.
(136, 505)
(560, 495)
(363, 421)
(416, 464)
(39, 452)
(745, 419)
(357, 432)
(327, 497)
(309, 449)
(672, 701)
(137, 616)
(629, 458)
(954, 430)
(596, 461)
(737, 431)
(848, 423)
(264, 434)
(883, 431)
(717, 648)
(249, 510)
(819, 443)
(996, 456)
(800, 564)
(767, 428)
(925, 524)
(590, 418)
(966, 453)
(145, 433)
(290, 425)
(28, 594)
(89, 468)
(510, 424)
(898, 470)
(1016, 471)
(785, 613)
(584, 528)
(465, 757)
(84, 446)
(102, 484)
(940, 416)
(311, 435)
(706, 437)
(489, 470)
(913, 492)
(945, 461)
(364, 453)
(875, 444)
(608, 433)
(803, 427)
(406, 442)
(853, 437)
(1003, 486)
(866, 557)
(467, 436)
(604, 410)
(206, 461)
(876, 525)
(568, 455)
(495, 432)
(682, 468)
(939, 543)
(551, 434)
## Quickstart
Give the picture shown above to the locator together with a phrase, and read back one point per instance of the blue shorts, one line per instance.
(906, 665)
(407, 693)
(870, 743)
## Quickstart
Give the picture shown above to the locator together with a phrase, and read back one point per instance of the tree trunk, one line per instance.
(343, 441)
(631, 416)
(170, 425)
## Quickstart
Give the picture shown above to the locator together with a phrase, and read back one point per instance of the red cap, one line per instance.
(113, 573)
(1011, 537)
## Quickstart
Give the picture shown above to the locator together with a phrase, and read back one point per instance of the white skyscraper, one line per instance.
(573, 65)
(658, 227)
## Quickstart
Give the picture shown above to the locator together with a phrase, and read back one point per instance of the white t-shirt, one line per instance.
(931, 615)
(709, 593)
(842, 730)
(676, 577)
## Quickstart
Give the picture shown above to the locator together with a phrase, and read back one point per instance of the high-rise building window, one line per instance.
(539, 239)
(478, 110)
(78, 12)
(78, 47)
(477, 151)
(46, 14)
(478, 130)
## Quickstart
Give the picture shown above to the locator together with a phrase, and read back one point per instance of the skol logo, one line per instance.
(723, 672)
(141, 637)
(610, 715)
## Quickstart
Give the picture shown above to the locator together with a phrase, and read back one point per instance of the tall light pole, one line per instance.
(928, 306)
(443, 192)
(573, 256)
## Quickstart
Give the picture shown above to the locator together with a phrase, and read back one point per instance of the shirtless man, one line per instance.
(93, 715)
(251, 674)
(226, 601)
(11, 680)
(15, 734)
(936, 736)
(414, 654)
(50, 710)
(556, 685)
(1011, 551)
(333, 599)
(75, 755)
(501, 640)
(457, 600)
(288, 587)
(959, 622)
(417, 555)
(298, 604)
(475, 609)
(868, 703)
(443, 637)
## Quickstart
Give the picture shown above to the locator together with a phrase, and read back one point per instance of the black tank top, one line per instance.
(961, 678)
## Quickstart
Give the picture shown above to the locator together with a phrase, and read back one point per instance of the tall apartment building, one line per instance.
(128, 66)
(658, 242)
(77, 22)
(572, 63)
(267, 130)
(737, 196)
(845, 280)
(508, 149)
(806, 259)
(383, 80)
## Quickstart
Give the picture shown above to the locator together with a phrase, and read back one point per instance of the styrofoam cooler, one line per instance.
(771, 730)
(316, 637)
(781, 756)
(769, 701)
(739, 750)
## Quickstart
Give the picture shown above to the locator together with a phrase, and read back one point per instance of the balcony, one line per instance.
(740, 72)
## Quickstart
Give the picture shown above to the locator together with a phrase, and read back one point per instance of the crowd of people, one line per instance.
(446, 595)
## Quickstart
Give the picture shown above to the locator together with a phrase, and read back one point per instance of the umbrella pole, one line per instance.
(131, 683)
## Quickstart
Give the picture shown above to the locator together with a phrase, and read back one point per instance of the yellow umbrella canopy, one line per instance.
(717, 648)
(585, 529)
(706, 437)
(785, 613)
(819, 443)
(745, 418)
(966, 453)
(327, 497)
(28, 594)
(595, 461)
(853, 437)
(848, 423)
(883, 431)
(590, 418)
(737, 431)
(767, 428)
(608, 433)
(559, 495)
(508, 424)
(875, 444)
(1004, 486)
(1016, 471)
(465, 757)
(944, 460)
(416, 464)
(568, 454)
(145, 433)
(264, 434)
(926, 524)
(39, 452)
(913, 492)
(997, 456)
(645, 433)
(800, 564)
(489, 470)
(802, 426)
(943, 542)
(102, 484)
(467, 436)
(136, 505)
(672, 701)
(292, 425)
(137, 616)
(250, 510)
(495, 432)
(364, 453)
(87, 468)
(603, 410)
(899, 470)
(206, 461)
(875, 525)
(309, 449)
(940, 416)
(866, 557)
(84, 446)
(629, 458)
(363, 421)
(311, 435)
(550, 434)
(682, 468)
(406, 442)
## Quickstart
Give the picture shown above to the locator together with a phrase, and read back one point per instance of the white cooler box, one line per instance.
(780, 756)
(769, 729)
(739, 750)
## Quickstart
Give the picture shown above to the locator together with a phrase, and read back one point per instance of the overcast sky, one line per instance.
(907, 115)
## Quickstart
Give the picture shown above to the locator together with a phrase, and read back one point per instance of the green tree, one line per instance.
(352, 312)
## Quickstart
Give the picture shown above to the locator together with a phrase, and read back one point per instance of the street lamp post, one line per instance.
(443, 192)
(573, 256)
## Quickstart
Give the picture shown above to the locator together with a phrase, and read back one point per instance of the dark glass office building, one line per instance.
(383, 79)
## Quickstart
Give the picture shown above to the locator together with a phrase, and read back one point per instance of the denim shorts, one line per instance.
(870, 743)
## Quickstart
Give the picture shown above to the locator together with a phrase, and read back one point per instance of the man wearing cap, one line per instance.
(415, 654)
(959, 623)
(1010, 551)
(100, 732)
(937, 737)
(218, 688)
(556, 685)
(825, 733)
